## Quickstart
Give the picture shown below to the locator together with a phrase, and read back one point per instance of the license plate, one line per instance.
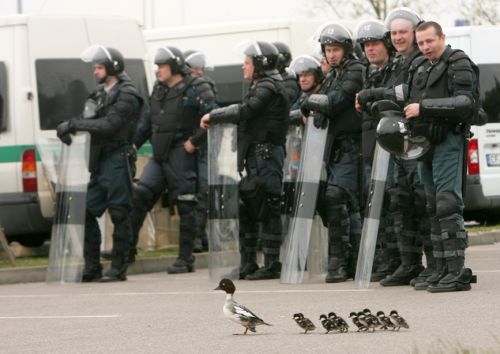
(493, 159)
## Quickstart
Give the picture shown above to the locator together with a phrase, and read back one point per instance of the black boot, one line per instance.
(272, 271)
(403, 275)
(91, 274)
(337, 272)
(181, 266)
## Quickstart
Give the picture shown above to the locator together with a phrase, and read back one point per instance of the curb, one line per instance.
(160, 264)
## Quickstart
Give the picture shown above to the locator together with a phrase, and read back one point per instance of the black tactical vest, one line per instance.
(271, 125)
(172, 119)
(349, 81)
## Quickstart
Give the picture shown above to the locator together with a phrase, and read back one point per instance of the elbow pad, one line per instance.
(317, 103)
(457, 109)
(229, 114)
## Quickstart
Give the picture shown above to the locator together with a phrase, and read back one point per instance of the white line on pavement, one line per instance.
(55, 317)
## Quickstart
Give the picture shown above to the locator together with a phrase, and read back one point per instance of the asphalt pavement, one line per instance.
(161, 313)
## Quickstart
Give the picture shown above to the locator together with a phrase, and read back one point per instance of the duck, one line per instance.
(236, 312)
(385, 321)
(303, 322)
(397, 320)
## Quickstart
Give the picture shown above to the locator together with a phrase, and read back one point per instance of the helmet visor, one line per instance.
(96, 54)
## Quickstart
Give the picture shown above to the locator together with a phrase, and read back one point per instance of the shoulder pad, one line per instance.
(355, 65)
(416, 63)
(457, 54)
(203, 88)
(267, 83)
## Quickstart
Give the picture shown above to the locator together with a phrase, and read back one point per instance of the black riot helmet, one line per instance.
(111, 58)
(371, 30)
(171, 56)
(264, 57)
(307, 64)
(334, 33)
(284, 56)
(404, 13)
(393, 133)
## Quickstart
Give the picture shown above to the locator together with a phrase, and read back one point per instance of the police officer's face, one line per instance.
(402, 36)
(334, 53)
(163, 73)
(306, 81)
(196, 72)
(325, 67)
(99, 72)
(248, 68)
(430, 44)
(376, 52)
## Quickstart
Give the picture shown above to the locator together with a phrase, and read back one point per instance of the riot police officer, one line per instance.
(335, 104)
(111, 128)
(262, 120)
(371, 35)
(443, 99)
(408, 199)
(172, 126)
(289, 79)
(197, 64)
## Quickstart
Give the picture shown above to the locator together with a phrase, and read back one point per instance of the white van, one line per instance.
(218, 42)
(42, 82)
(482, 200)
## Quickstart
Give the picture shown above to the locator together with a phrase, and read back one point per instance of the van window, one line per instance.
(3, 97)
(489, 79)
(64, 85)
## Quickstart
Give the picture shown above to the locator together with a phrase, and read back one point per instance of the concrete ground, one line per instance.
(160, 313)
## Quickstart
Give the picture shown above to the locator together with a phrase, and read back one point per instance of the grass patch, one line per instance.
(481, 228)
(22, 262)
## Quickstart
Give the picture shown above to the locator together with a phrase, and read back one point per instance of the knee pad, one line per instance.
(273, 204)
(447, 205)
(118, 214)
(143, 197)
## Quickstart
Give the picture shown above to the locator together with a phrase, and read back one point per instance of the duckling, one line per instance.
(371, 319)
(340, 324)
(236, 312)
(397, 320)
(304, 322)
(355, 319)
(385, 321)
(327, 323)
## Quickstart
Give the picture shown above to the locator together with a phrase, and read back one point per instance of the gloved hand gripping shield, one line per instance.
(223, 198)
(66, 168)
(296, 245)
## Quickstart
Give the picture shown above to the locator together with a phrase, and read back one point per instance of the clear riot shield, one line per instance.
(290, 172)
(223, 224)
(371, 222)
(66, 167)
(317, 259)
(308, 179)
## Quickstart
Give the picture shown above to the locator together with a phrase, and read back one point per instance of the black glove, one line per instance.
(367, 96)
(64, 131)
(320, 121)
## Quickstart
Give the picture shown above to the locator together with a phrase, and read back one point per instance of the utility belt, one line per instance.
(97, 151)
(436, 132)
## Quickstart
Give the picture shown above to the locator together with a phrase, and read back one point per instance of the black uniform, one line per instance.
(173, 118)
(447, 91)
(110, 185)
